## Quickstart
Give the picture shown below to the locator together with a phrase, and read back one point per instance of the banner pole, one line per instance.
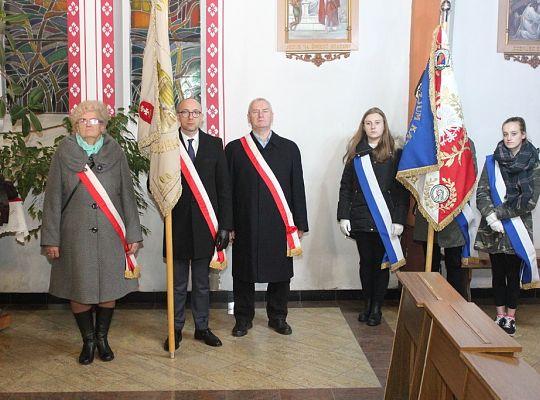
(429, 247)
(170, 289)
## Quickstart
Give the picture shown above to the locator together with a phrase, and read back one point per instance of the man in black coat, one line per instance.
(192, 241)
(260, 244)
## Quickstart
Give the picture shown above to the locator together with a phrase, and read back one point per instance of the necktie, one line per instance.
(190, 150)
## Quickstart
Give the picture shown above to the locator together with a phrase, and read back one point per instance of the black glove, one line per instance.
(222, 239)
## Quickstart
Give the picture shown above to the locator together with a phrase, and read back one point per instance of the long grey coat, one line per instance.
(91, 266)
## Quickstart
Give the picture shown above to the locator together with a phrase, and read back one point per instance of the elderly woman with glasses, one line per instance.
(91, 227)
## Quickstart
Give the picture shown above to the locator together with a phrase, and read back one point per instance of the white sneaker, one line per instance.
(500, 320)
(510, 326)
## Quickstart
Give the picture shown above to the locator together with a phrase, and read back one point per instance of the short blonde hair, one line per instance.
(86, 106)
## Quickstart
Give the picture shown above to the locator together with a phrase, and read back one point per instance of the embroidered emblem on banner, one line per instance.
(146, 111)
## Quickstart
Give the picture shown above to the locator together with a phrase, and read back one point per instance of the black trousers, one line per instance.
(200, 292)
(277, 296)
(456, 276)
(374, 279)
(505, 269)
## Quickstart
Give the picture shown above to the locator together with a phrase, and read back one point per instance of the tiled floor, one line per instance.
(330, 355)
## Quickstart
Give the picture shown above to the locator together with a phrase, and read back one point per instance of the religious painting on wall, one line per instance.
(323, 27)
(519, 27)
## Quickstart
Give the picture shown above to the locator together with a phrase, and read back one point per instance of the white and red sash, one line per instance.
(191, 175)
(105, 204)
(293, 241)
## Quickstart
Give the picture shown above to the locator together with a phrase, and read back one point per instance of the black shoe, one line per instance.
(374, 319)
(364, 316)
(241, 328)
(208, 337)
(85, 322)
(376, 315)
(177, 340)
(103, 322)
(280, 326)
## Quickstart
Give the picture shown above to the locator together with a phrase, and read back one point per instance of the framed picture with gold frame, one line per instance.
(317, 30)
(518, 33)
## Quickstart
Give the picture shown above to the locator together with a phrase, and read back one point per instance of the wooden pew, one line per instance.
(491, 376)
(458, 328)
(412, 332)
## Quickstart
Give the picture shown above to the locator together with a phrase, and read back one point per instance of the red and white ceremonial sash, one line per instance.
(102, 199)
(192, 178)
(293, 241)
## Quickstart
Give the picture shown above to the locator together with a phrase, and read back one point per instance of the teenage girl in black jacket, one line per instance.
(373, 137)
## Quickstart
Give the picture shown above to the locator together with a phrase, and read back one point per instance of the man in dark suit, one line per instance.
(193, 243)
(260, 236)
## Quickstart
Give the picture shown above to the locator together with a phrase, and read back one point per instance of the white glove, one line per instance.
(494, 223)
(397, 229)
(491, 218)
(497, 226)
(345, 226)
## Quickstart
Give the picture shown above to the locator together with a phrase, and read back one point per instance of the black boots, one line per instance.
(376, 314)
(95, 338)
(103, 322)
(85, 321)
(363, 316)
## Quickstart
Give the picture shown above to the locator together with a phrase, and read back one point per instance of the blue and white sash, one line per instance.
(514, 228)
(468, 223)
(393, 257)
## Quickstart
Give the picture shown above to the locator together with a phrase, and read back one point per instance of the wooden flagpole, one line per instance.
(429, 247)
(170, 289)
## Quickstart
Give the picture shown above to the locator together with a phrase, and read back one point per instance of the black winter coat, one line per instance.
(260, 247)
(352, 204)
(191, 236)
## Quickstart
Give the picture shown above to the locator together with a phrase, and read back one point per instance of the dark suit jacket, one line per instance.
(191, 236)
(260, 246)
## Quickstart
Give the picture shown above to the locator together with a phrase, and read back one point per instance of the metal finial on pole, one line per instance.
(446, 5)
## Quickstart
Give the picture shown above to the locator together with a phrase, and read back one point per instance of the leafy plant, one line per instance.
(28, 166)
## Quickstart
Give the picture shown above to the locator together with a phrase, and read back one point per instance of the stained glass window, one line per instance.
(39, 55)
(185, 33)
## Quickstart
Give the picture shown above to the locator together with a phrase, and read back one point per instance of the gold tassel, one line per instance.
(136, 273)
(470, 261)
(294, 252)
(393, 267)
(217, 265)
(532, 285)
(398, 265)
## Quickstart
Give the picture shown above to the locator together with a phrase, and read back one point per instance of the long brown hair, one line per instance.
(385, 147)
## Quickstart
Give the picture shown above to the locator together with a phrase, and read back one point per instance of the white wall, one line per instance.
(320, 108)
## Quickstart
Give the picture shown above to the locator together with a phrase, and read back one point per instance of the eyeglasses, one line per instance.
(89, 121)
(186, 113)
